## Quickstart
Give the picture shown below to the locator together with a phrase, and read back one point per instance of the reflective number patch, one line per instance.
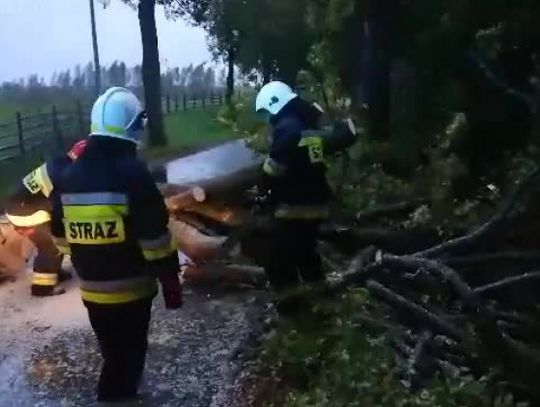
(316, 153)
(95, 231)
(31, 182)
(315, 148)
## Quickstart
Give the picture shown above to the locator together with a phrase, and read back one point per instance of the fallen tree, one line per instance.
(487, 326)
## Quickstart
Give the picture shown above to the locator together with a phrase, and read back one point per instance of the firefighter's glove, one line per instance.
(171, 289)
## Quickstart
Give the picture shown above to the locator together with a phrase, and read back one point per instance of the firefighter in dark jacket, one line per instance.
(115, 221)
(29, 208)
(295, 175)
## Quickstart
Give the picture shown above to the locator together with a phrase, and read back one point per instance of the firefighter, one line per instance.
(28, 209)
(114, 219)
(295, 176)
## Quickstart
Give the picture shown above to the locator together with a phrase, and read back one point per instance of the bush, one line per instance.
(241, 118)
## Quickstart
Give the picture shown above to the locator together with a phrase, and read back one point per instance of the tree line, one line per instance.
(78, 82)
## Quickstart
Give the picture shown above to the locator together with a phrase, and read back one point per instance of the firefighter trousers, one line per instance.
(47, 263)
(294, 257)
(122, 333)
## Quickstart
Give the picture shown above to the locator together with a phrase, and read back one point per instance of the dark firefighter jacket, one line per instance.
(114, 219)
(29, 204)
(295, 167)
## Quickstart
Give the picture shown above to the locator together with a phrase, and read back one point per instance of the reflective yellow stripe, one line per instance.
(273, 168)
(137, 293)
(309, 140)
(302, 212)
(65, 250)
(95, 128)
(94, 211)
(37, 218)
(157, 254)
(39, 180)
(46, 279)
(159, 248)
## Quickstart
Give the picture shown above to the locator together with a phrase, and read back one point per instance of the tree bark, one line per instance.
(97, 68)
(231, 56)
(151, 72)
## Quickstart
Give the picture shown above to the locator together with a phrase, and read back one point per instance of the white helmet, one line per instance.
(118, 114)
(273, 97)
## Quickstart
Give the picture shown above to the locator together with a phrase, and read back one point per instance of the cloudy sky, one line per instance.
(41, 36)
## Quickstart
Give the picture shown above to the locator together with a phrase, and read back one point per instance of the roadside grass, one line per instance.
(7, 113)
(188, 131)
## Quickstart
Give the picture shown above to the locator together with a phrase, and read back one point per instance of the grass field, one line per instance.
(187, 131)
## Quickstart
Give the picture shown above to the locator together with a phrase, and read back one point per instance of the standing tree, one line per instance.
(151, 74)
(221, 19)
(151, 71)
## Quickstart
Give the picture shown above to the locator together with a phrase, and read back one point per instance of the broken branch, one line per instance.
(402, 303)
(508, 282)
(487, 230)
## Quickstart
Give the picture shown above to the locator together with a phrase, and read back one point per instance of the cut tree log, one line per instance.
(221, 273)
(15, 249)
(198, 247)
(185, 199)
(225, 186)
(226, 215)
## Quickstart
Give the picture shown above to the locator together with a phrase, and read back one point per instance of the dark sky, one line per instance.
(41, 36)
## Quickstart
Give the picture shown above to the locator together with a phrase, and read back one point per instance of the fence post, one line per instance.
(184, 101)
(203, 100)
(176, 102)
(80, 119)
(21, 136)
(56, 129)
(168, 100)
(220, 101)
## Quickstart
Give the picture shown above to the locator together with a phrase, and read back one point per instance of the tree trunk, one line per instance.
(151, 72)
(378, 30)
(97, 68)
(231, 56)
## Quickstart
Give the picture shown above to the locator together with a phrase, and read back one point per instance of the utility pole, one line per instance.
(97, 69)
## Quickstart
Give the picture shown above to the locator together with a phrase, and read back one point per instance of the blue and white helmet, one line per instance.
(273, 97)
(118, 113)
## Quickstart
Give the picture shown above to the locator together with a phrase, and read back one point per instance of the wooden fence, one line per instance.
(39, 136)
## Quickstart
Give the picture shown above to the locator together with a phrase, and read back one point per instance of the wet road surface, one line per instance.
(49, 357)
